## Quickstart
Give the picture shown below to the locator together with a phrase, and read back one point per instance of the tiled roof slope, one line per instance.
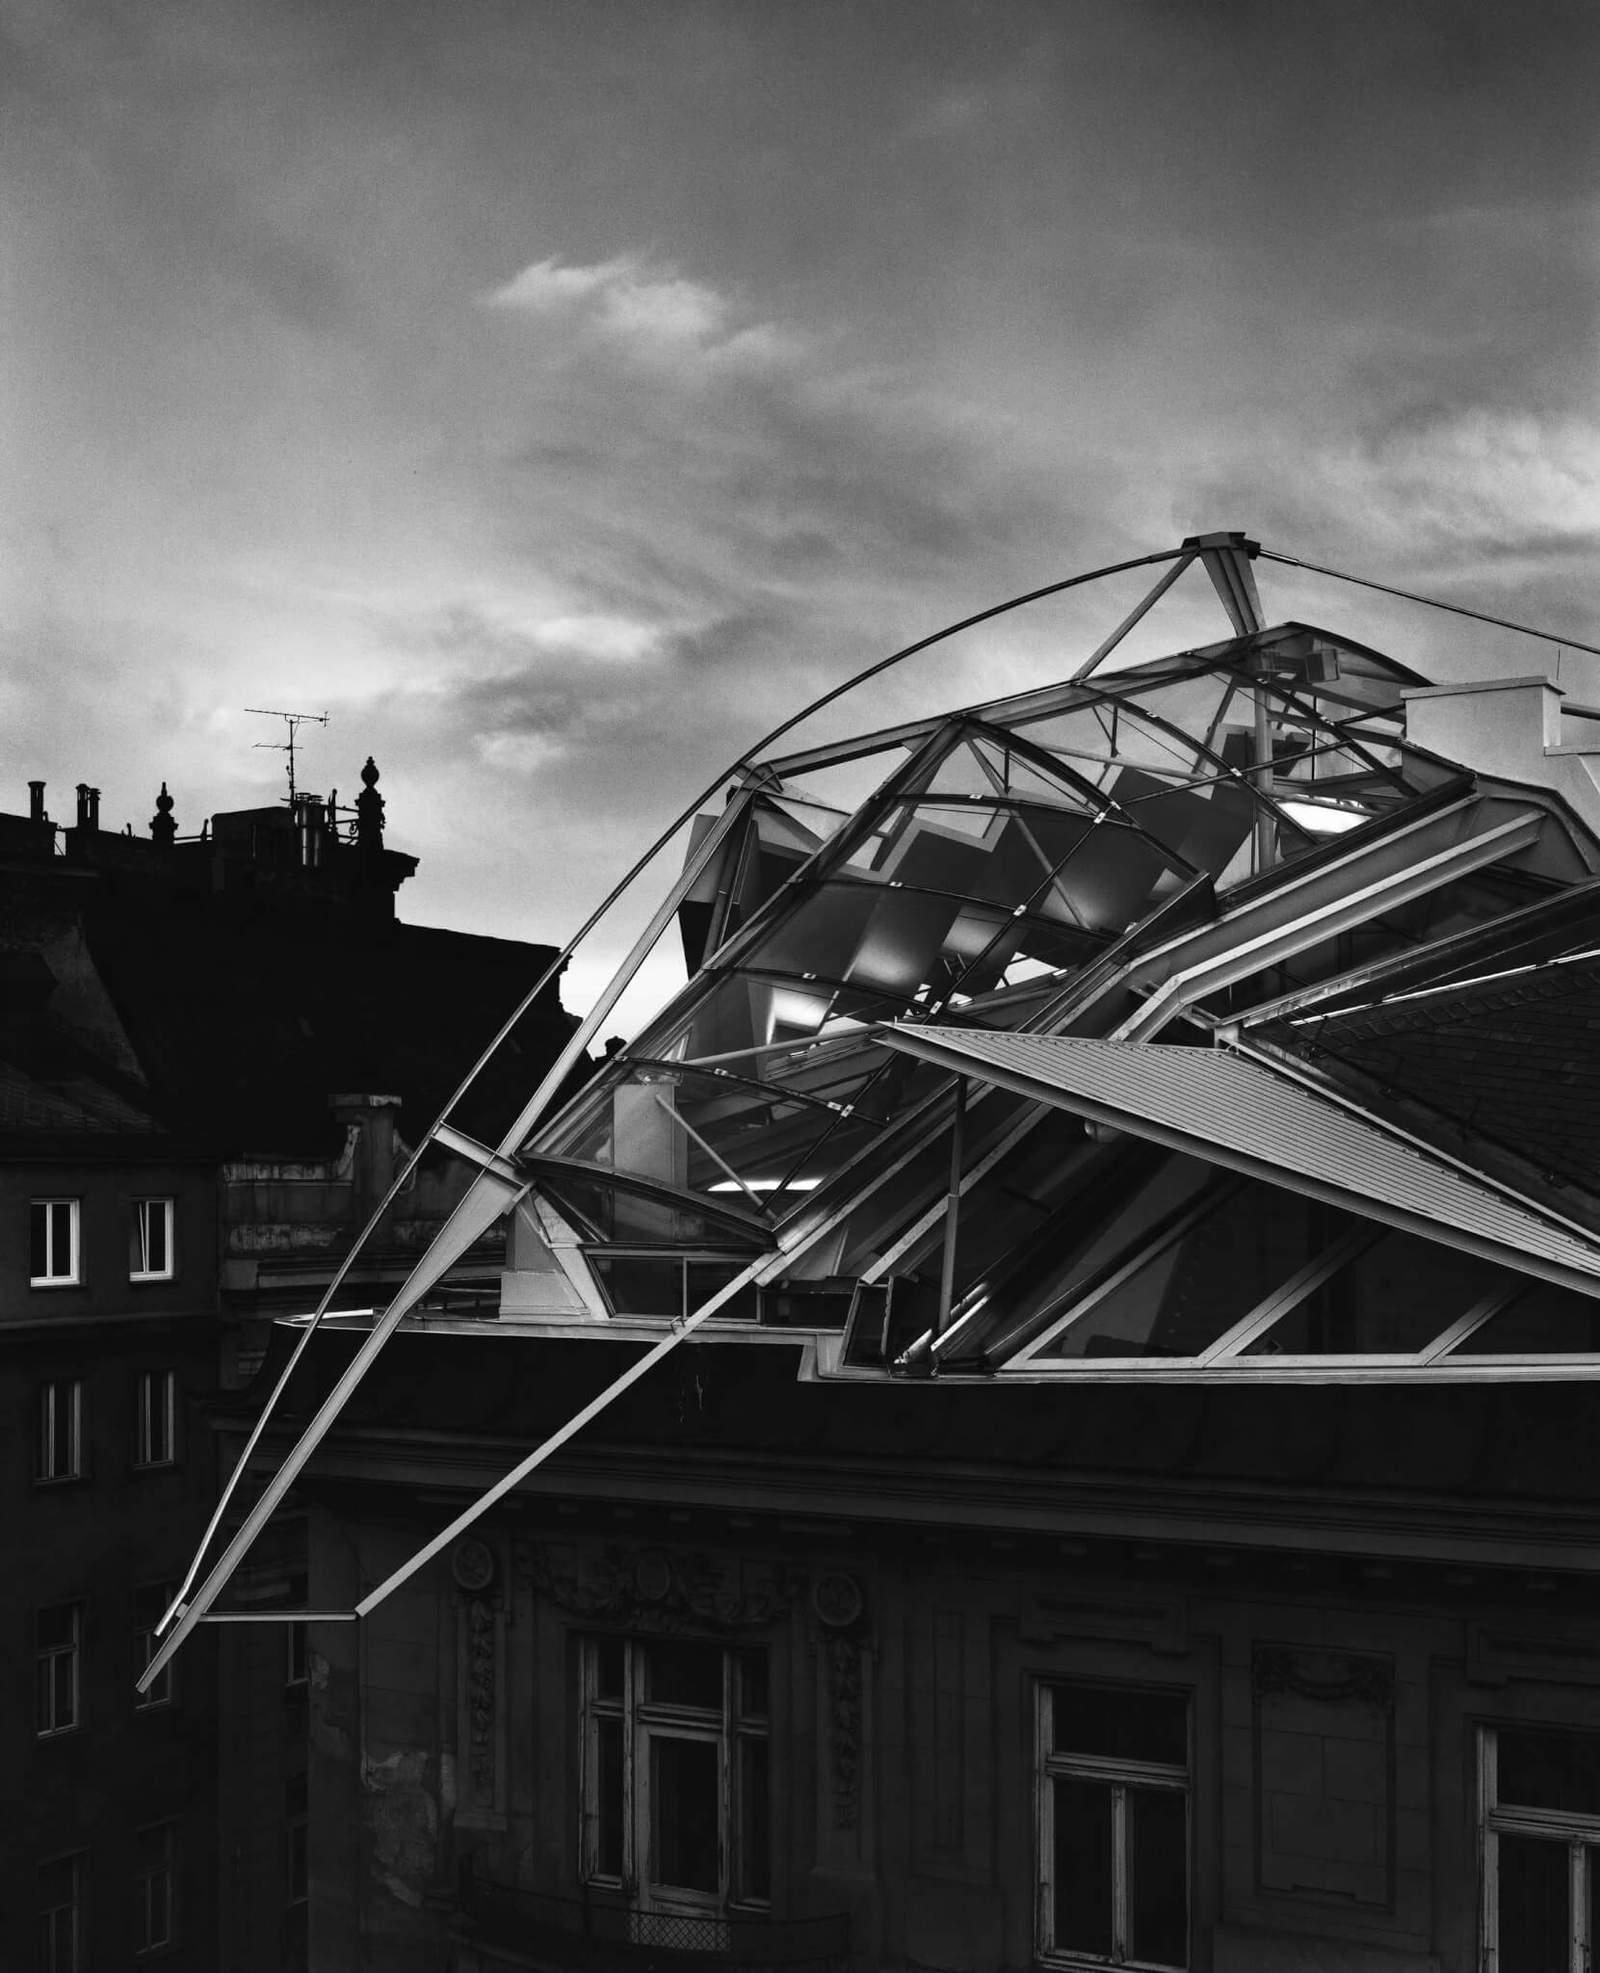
(1512, 1058)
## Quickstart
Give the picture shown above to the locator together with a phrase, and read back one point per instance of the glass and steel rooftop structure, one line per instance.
(992, 1059)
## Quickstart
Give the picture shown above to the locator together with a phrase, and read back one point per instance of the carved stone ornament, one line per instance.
(659, 1589)
(1365, 1681)
(472, 1564)
(480, 1691)
(842, 1653)
(836, 1599)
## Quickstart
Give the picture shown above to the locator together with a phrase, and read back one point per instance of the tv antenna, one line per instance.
(295, 721)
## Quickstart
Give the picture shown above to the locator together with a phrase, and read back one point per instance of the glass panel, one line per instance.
(607, 1667)
(1550, 1770)
(684, 1843)
(684, 1674)
(1198, 1285)
(641, 1287)
(1158, 1876)
(1393, 1298)
(1126, 1723)
(608, 1804)
(1083, 1886)
(1535, 1910)
(1543, 1320)
(754, 1845)
(707, 1277)
(1205, 826)
(752, 1671)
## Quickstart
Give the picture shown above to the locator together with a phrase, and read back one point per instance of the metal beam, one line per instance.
(1146, 602)
(1240, 959)
(1227, 559)
(488, 1197)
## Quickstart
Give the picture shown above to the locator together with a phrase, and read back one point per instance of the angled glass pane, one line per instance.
(1205, 825)
(1183, 1294)
(1081, 1812)
(1543, 1320)
(1391, 1299)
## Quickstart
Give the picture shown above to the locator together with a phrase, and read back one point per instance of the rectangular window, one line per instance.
(58, 1431)
(150, 1241)
(62, 1941)
(53, 1243)
(155, 1425)
(1113, 1826)
(155, 1888)
(58, 1634)
(1540, 1790)
(149, 1606)
(675, 1773)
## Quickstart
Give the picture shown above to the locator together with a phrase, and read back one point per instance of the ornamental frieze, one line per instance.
(659, 1588)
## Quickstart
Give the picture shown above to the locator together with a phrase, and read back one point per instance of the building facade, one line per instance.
(206, 1081)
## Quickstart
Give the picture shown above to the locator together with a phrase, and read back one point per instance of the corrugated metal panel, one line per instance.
(1257, 1121)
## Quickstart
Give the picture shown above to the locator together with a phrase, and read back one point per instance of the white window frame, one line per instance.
(157, 1927)
(1120, 1775)
(48, 1721)
(148, 1212)
(55, 1275)
(156, 1420)
(53, 1936)
(642, 1720)
(1576, 1832)
(58, 1432)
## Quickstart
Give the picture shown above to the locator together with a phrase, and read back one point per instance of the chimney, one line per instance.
(36, 802)
(88, 807)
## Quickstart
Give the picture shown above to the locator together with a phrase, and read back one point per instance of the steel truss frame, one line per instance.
(503, 1179)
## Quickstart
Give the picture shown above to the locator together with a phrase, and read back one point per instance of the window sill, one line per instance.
(139, 1280)
(56, 1281)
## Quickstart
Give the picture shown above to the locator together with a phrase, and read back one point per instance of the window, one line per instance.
(1113, 1821)
(62, 1946)
(675, 1785)
(1541, 1847)
(155, 1424)
(155, 1887)
(58, 1440)
(58, 1632)
(53, 1243)
(149, 1607)
(150, 1241)
(294, 1804)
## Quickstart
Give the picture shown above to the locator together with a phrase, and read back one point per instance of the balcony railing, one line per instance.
(584, 1935)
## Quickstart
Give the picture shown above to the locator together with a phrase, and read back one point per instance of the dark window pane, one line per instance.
(1158, 1875)
(752, 1685)
(679, 1674)
(1534, 1915)
(608, 1781)
(754, 1859)
(608, 1668)
(1391, 1299)
(1544, 1320)
(642, 1287)
(1082, 1865)
(38, 1250)
(707, 1278)
(683, 1813)
(1198, 1285)
(1550, 1770)
(1121, 1723)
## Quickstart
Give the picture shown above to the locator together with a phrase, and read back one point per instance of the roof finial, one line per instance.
(163, 828)
(369, 809)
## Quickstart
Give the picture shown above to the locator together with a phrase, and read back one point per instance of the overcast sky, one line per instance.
(559, 394)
